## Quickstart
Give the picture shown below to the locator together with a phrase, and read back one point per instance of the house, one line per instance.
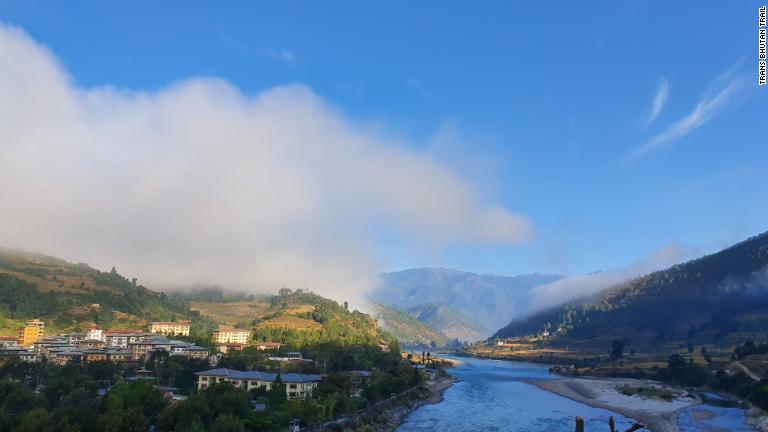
(267, 346)
(33, 331)
(170, 328)
(360, 380)
(172, 393)
(8, 341)
(229, 347)
(297, 386)
(300, 386)
(226, 335)
(289, 356)
(214, 376)
(384, 347)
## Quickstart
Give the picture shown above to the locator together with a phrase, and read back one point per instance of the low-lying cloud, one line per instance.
(575, 287)
(200, 183)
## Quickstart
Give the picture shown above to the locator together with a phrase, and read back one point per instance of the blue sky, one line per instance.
(548, 107)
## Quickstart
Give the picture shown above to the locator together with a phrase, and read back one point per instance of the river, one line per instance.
(494, 395)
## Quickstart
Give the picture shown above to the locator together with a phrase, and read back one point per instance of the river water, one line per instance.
(494, 395)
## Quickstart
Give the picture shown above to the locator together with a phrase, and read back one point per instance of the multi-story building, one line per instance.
(94, 355)
(141, 349)
(18, 352)
(91, 344)
(297, 386)
(33, 331)
(65, 357)
(95, 334)
(170, 328)
(74, 338)
(118, 356)
(225, 335)
(121, 338)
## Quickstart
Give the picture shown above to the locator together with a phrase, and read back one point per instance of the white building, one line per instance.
(297, 386)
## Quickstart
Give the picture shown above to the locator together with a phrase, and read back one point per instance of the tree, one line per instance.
(617, 349)
(37, 420)
(276, 395)
(228, 423)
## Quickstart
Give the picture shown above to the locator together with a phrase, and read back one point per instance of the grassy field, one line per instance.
(231, 313)
(290, 322)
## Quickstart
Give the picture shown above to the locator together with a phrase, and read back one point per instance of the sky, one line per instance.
(512, 138)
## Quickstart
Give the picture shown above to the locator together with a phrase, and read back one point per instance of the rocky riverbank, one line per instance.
(658, 413)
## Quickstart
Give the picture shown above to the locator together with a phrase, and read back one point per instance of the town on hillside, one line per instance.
(162, 356)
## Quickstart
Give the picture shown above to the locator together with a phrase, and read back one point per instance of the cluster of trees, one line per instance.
(749, 348)
(685, 371)
(47, 398)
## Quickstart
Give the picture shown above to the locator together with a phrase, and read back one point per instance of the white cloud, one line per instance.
(198, 183)
(722, 92)
(662, 94)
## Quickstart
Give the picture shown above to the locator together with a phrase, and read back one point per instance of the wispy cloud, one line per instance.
(659, 100)
(722, 92)
(283, 54)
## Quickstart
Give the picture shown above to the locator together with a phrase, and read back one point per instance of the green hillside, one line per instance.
(408, 329)
(718, 299)
(297, 318)
(68, 296)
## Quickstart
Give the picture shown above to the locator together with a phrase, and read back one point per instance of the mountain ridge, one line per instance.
(492, 300)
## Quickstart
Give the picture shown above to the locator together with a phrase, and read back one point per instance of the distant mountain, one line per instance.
(69, 295)
(408, 329)
(449, 322)
(491, 300)
(718, 299)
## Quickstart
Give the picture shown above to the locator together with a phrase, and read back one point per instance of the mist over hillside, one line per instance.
(720, 298)
(491, 300)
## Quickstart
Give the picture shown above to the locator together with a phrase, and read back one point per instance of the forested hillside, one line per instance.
(407, 329)
(68, 296)
(720, 298)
